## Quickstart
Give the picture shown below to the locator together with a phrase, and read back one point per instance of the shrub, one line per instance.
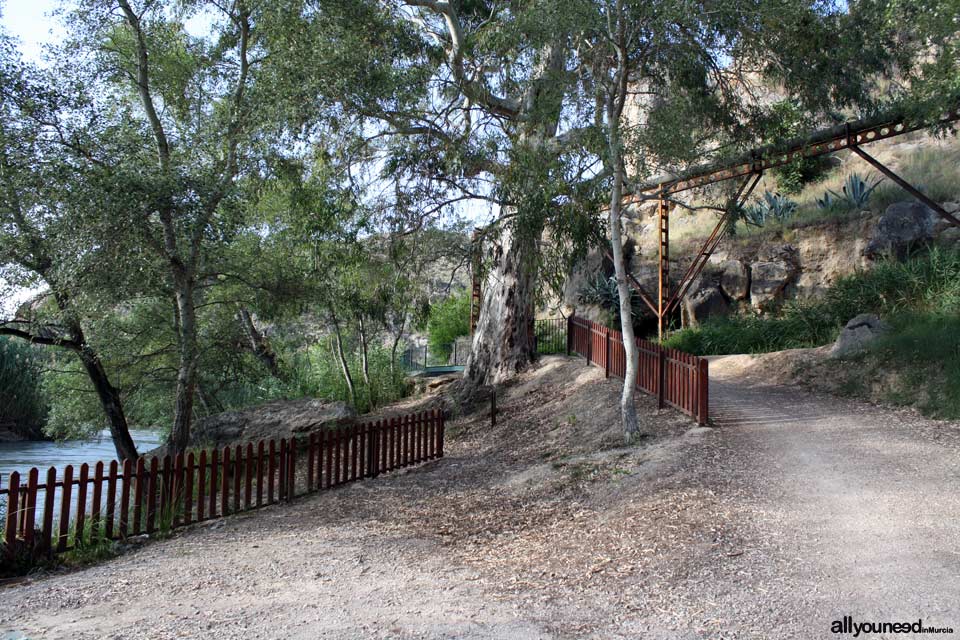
(317, 373)
(774, 207)
(449, 320)
(856, 193)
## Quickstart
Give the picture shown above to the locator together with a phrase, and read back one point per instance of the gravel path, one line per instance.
(795, 511)
(866, 500)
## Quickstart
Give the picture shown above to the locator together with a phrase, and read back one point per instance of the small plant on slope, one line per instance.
(774, 206)
(856, 192)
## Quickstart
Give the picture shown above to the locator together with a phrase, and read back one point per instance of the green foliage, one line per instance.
(22, 401)
(602, 292)
(318, 375)
(856, 193)
(774, 207)
(927, 284)
(449, 320)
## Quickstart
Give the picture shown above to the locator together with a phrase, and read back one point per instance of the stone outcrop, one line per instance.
(280, 419)
(775, 269)
(758, 273)
(735, 279)
(903, 226)
(858, 333)
(706, 302)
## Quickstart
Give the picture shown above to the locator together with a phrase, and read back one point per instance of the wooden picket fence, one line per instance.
(120, 500)
(676, 378)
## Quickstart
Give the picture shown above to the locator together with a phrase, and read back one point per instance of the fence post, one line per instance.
(373, 433)
(440, 437)
(13, 502)
(606, 360)
(590, 344)
(292, 469)
(703, 382)
(569, 334)
(661, 377)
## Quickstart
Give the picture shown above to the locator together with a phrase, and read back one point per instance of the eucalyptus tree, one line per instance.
(461, 101)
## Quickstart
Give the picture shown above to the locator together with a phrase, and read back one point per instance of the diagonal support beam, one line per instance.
(710, 245)
(906, 186)
(636, 286)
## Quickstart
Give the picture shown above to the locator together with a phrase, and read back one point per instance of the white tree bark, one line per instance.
(616, 98)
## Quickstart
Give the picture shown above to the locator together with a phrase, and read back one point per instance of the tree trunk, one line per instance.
(187, 367)
(365, 362)
(615, 102)
(109, 398)
(393, 349)
(503, 342)
(342, 359)
(259, 345)
(628, 408)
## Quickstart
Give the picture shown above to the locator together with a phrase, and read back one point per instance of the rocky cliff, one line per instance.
(758, 270)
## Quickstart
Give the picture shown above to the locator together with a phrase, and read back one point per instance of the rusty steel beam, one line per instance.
(634, 284)
(663, 280)
(821, 143)
(710, 245)
(906, 186)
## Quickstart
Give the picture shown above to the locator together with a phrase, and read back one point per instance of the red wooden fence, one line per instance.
(676, 378)
(119, 500)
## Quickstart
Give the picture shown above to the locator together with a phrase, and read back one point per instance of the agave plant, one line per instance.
(827, 202)
(856, 191)
(774, 206)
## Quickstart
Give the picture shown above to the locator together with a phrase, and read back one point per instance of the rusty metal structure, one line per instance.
(476, 265)
(750, 168)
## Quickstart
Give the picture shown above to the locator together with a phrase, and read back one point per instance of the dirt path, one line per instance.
(866, 499)
(794, 512)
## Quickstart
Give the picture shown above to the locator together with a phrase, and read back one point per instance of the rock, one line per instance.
(735, 279)
(902, 226)
(857, 334)
(774, 270)
(704, 303)
(280, 419)
(768, 282)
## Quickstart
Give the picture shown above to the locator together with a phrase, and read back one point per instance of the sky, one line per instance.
(31, 23)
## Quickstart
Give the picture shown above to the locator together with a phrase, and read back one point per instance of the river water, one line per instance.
(21, 456)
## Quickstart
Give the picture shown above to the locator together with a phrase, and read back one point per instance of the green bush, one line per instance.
(317, 373)
(449, 320)
(22, 401)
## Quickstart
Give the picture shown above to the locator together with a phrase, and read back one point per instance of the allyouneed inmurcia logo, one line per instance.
(847, 625)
